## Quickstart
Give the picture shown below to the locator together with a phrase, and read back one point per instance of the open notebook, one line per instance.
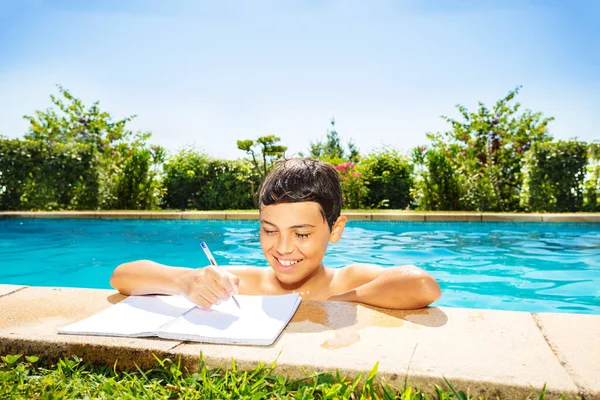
(258, 321)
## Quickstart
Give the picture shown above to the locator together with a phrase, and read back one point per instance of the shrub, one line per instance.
(592, 182)
(195, 181)
(389, 179)
(438, 186)
(554, 176)
(39, 176)
(354, 191)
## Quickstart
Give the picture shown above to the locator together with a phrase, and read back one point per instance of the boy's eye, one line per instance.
(302, 235)
(269, 231)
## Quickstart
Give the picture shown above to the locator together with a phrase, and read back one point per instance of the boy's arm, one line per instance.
(406, 287)
(203, 286)
(147, 277)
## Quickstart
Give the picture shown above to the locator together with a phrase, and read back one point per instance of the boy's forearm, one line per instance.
(396, 290)
(147, 277)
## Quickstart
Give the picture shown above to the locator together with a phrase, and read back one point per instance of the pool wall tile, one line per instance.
(571, 217)
(365, 216)
(123, 215)
(511, 217)
(166, 215)
(398, 217)
(242, 215)
(16, 214)
(566, 334)
(203, 215)
(66, 214)
(453, 217)
(357, 216)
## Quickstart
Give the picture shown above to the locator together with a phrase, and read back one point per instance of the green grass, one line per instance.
(31, 378)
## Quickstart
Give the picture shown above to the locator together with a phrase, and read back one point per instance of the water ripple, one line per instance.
(536, 267)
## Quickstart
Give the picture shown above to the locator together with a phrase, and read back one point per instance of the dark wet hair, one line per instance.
(304, 179)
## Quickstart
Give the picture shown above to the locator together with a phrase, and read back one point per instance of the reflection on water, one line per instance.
(536, 267)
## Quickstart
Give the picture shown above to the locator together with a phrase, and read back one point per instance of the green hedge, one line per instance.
(554, 176)
(37, 176)
(389, 179)
(592, 182)
(195, 181)
(439, 187)
(561, 176)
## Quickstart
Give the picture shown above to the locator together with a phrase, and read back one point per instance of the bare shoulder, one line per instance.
(360, 269)
(354, 275)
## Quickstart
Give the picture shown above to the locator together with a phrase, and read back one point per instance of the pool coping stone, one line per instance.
(489, 352)
(6, 289)
(564, 334)
(351, 215)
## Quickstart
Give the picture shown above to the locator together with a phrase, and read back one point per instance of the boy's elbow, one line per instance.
(114, 280)
(422, 288)
(428, 289)
(119, 277)
(414, 288)
(431, 290)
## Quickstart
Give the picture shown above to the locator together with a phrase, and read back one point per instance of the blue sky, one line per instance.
(206, 73)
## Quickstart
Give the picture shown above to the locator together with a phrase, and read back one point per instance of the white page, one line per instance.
(134, 316)
(259, 320)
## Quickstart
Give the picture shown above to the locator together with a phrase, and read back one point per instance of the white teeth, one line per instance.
(287, 263)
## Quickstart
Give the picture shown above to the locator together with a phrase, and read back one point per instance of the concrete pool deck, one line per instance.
(489, 353)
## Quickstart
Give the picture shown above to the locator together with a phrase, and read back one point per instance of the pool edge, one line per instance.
(351, 215)
(489, 352)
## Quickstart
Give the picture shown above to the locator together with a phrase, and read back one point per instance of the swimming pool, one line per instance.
(536, 267)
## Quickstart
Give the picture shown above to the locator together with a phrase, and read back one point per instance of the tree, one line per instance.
(77, 124)
(487, 148)
(331, 149)
(127, 164)
(266, 148)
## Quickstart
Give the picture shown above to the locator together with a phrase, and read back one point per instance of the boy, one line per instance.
(300, 204)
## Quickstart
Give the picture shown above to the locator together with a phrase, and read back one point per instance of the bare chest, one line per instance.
(316, 289)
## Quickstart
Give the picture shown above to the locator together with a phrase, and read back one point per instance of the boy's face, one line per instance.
(294, 238)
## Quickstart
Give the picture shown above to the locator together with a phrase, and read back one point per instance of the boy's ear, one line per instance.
(337, 229)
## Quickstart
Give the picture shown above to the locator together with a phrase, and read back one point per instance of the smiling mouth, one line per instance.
(286, 264)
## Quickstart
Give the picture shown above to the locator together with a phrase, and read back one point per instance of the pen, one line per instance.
(214, 263)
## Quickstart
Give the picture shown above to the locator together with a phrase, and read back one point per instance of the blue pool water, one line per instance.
(537, 267)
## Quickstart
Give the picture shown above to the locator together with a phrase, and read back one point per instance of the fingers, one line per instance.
(216, 292)
(229, 283)
(210, 285)
(224, 284)
(202, 296)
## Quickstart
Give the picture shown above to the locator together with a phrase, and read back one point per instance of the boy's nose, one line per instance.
(284, 245)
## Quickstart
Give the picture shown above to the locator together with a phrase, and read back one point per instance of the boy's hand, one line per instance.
(209, 285)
